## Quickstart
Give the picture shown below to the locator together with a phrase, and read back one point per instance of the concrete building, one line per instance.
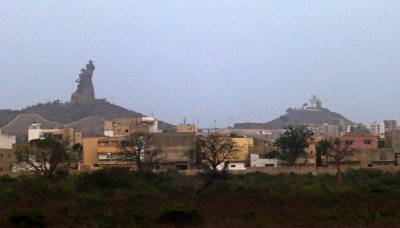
(259, 160)
(36, 132)
(186, 128)
(68, 134)
(360, 140)
(242, 157)
(390, 125)
(377, 128)
(126, 126)
(178, 152)
(7, 147)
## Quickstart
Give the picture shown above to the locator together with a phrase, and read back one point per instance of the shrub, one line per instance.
(29, 218)
(180, 214)
(105, 179)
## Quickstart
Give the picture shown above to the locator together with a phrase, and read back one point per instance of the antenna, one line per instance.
(184, 120)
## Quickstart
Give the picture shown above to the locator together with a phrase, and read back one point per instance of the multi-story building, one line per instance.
(36, 132)
(390, 125)
(186, 128)
(68, 134)
(126, 126)
(377, 128)
(360, 140)
(177, 151)
(7, 147)
(239, 162)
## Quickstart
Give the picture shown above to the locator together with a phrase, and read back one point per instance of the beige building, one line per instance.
(126, 126)
(186, 128)
(69, 134)
(7, 147)
(178, 151)
(243, 145)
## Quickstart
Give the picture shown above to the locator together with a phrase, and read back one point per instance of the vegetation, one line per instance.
(216, 150)
(337, 151)
(42, 156)
(141, 148)
(290, 146)
(123, 198)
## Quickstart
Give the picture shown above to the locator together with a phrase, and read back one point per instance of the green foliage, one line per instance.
(105, 179)
(290, 146)
(180, 214)
(123, 198)
(29, 218)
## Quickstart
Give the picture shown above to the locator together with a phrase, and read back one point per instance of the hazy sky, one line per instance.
(229, 61)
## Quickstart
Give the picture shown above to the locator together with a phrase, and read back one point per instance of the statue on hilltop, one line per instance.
(85, 90)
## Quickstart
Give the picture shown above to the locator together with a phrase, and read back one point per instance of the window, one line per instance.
(367, 141)
(349, 142)
(233, 166)
(269, 165)
(1, 155)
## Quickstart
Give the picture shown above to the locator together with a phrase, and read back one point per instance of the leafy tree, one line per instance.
(140, 147)
(338, 151)
(217, 149)
(322, 149)
(42, 156)
(290, 146)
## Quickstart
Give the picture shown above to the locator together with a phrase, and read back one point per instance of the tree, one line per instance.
(140, 147)
(42, 156)
(217, 149)
(338, 151)
(322, 149)
(290, 146)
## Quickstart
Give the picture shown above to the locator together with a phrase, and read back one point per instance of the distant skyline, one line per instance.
(229, 61)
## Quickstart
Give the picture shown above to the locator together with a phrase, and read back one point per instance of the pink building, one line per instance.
(360, 140)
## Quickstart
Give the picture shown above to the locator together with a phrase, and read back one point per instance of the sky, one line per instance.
(210, 62)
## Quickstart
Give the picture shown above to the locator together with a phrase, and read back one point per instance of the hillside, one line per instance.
(87, 117)
(295, 117)
(311, 113)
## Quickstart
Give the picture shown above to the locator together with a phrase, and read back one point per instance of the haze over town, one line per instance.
(226, 61)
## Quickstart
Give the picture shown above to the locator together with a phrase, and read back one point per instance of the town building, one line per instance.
(390, 125)
(177, 152)
(186, 128)
(68, 134)
(36, 132)
(7, 147)
(359, 140)
(126, 126)
(377, 128)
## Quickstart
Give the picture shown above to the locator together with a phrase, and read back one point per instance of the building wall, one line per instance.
(360, 140)
(126, 126)
(186, 128)
(390, 125)
(6, 160)
(7, 141)
(90, 154)
(243, 145)
(256, 161)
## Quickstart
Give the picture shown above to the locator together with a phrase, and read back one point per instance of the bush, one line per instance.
(29, 218)
(180, 214)
(105, 179)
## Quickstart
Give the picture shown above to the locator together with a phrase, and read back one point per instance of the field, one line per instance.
(122, 198)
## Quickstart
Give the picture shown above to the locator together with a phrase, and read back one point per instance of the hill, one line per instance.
(311, 113)
(87, 117)
(295, 117)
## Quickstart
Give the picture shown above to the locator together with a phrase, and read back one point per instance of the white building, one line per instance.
(35, 132)
(6, 141)
(232, 166)
(377, 128)
(256, 161)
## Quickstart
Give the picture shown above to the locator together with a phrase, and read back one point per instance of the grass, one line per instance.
(122, 198)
